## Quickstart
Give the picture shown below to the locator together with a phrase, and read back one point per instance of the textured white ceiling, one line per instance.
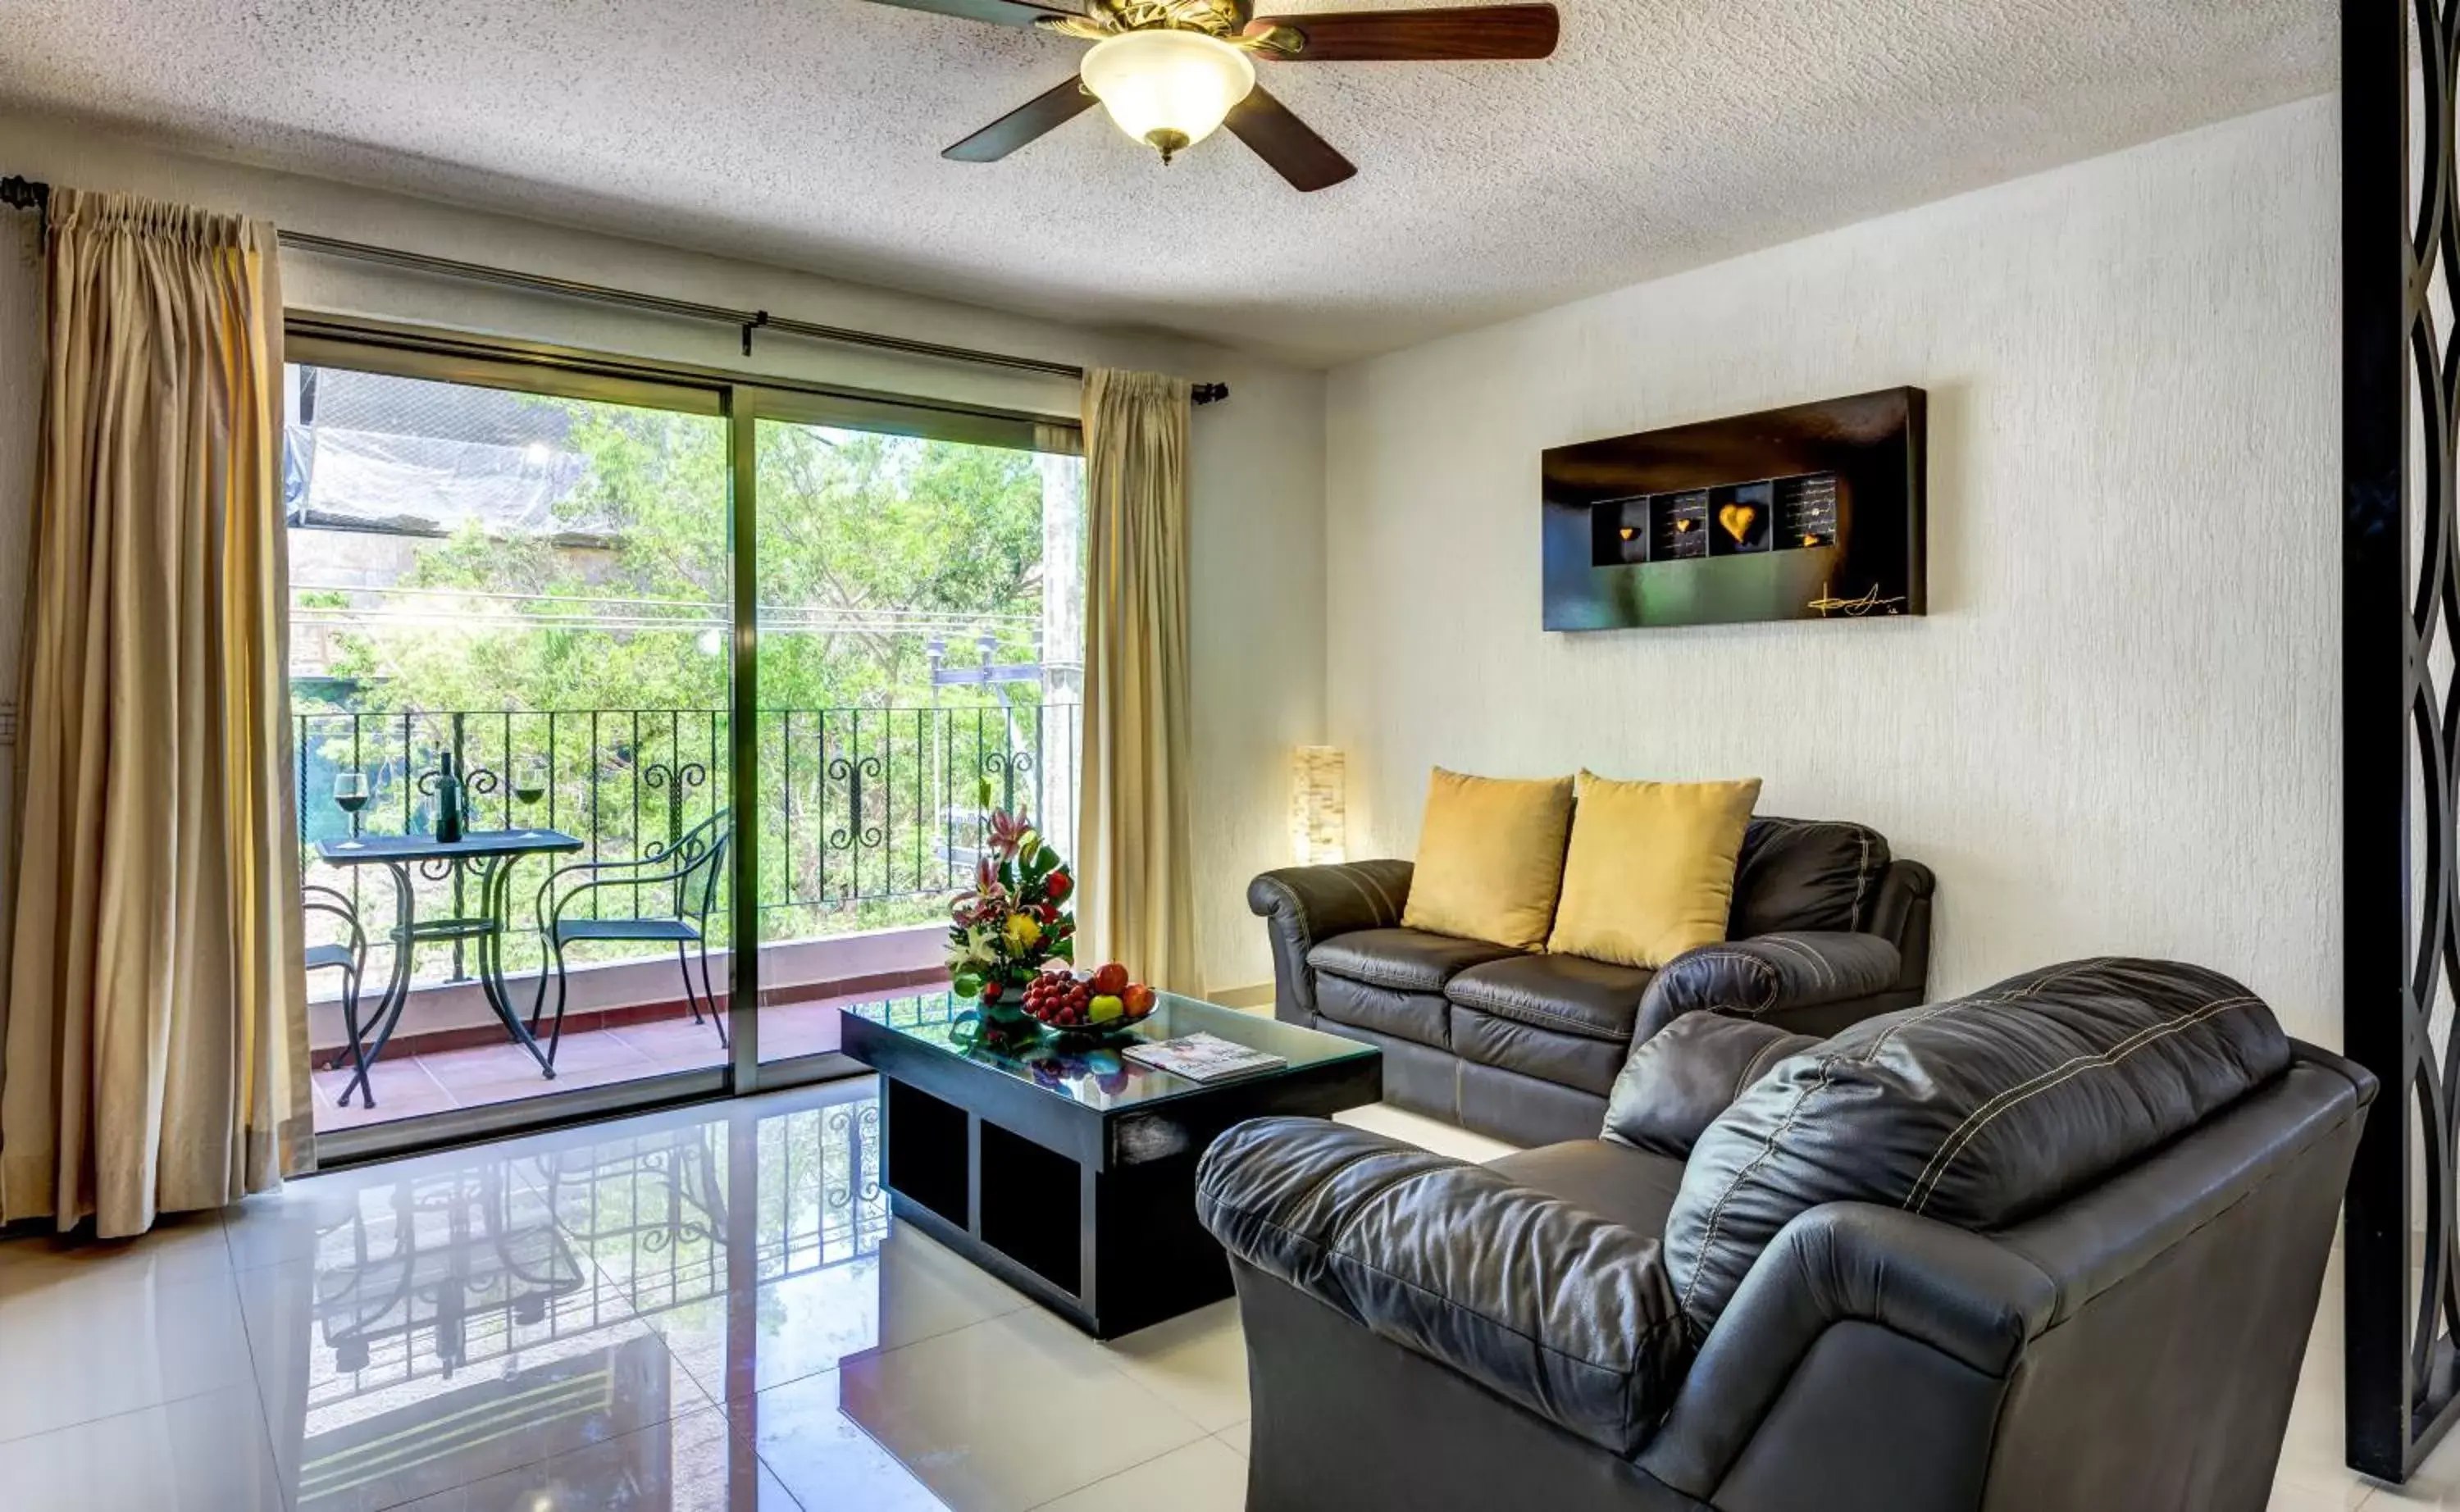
(1664, 134)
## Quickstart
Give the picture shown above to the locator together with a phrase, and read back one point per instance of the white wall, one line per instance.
(1258, 601)
(2116, 729)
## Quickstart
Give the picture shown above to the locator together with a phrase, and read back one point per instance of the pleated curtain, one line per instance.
(1133, 798)
(155, 1053)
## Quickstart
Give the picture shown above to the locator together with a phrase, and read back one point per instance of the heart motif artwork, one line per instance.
(1810, 512)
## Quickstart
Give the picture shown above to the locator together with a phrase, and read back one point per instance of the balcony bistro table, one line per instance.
(1070, 1173)
(490, 854)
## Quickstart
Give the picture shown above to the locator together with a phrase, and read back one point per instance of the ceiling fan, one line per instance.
(1171, 70)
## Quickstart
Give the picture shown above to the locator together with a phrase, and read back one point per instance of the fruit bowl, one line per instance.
(1086, 1005)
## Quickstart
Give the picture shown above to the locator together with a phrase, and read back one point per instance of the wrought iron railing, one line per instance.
(865, 816)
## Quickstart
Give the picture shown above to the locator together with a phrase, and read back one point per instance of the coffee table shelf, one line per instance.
(1070, 1173)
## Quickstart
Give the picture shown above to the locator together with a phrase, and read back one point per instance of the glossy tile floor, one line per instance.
(703, 1309)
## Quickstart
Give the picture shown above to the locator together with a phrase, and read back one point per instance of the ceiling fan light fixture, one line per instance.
(1168, 89)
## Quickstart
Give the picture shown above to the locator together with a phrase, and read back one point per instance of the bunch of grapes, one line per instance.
(1058, 997)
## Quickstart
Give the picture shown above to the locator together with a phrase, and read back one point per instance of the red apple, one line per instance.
(1140, 999)
(1110, 979)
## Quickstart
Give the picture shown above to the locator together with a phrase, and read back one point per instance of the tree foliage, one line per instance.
(870, 545)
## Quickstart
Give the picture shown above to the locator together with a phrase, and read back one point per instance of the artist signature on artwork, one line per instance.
(1857, 606)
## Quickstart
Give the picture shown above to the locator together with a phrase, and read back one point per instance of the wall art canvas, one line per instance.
(1812, 512)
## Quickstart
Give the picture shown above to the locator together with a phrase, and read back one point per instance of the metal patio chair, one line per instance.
(693, 867)
(349, 958)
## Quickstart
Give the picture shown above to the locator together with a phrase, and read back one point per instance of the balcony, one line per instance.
(865, 820)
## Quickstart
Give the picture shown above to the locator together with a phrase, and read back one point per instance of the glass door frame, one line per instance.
(743, 400)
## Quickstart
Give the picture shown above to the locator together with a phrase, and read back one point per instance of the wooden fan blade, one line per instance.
(1044, 112)
(998, 13)
(1388, 36)
(1288, 143)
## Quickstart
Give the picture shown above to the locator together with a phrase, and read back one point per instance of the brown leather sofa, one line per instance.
(2055, 1246)
(1827, 928)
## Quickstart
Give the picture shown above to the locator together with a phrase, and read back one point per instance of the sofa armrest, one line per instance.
(1968, 1298)
(1304, 904)
(1569, 1316)
(1676, 1082)
(1900, 912)
(1768, 974)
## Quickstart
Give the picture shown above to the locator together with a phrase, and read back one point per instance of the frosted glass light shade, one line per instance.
(1168, 89)
(1319, 818)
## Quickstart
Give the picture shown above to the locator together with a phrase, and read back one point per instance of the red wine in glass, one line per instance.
(350, 796)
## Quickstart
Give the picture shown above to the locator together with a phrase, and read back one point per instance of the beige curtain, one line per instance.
(1133, 793)
(155, 1056)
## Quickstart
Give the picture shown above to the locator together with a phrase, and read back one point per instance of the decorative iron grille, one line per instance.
(2401, 718)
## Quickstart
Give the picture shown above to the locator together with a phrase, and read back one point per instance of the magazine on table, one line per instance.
(1203, 1057)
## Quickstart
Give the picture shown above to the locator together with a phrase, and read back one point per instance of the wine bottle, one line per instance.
(448, 801)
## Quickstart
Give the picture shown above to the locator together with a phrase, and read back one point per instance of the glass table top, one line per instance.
(1098, 1075)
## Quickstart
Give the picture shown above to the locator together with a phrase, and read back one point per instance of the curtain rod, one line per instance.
(26, 193)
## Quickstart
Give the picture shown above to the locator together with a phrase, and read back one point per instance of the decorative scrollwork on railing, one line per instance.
(854, 772)
(1008, 766)
(867, 1141)
(676, 781)
(474, 780)
(857, 1130)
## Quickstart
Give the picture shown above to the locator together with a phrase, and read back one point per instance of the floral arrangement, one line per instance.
(1013, 921)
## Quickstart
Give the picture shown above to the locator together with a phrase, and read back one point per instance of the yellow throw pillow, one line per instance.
(1489, 858)
(1651, 869)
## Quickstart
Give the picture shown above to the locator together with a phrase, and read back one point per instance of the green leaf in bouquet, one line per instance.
(1046, 861)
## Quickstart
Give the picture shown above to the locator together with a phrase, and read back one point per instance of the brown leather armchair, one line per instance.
(2053, 1247)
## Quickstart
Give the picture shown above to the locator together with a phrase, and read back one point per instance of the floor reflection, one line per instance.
(578, 1308)
(706, 1308)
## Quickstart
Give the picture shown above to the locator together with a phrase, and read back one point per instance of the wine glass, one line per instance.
(529, 785)
(350, 796)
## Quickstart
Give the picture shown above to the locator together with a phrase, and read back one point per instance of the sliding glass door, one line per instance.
(533, 593)
(920, 611)
(510, 593)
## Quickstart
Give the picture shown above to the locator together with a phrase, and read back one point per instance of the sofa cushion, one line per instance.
(1567, 1060)
(1620, 1185)
(1570, 994)
(1410, 960)
(1805, 874)
(1650, 873)
(1423, 1016)
(1678, 1080)
(1489, 858)
(1978, 1113)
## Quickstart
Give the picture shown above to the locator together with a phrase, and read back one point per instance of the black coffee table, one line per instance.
(1070, 1173)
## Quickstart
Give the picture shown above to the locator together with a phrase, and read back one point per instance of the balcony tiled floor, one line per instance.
(436, 1081)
